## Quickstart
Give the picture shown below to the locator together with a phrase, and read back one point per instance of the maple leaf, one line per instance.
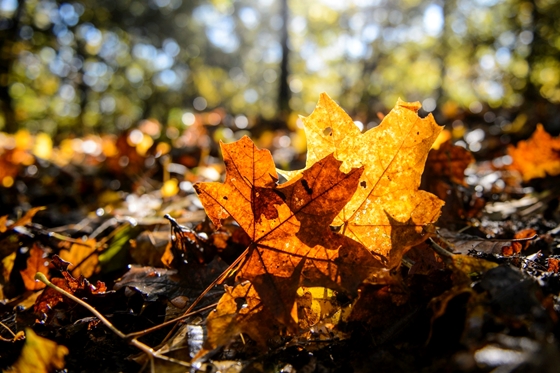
(536, 157)
(39, 355)
(288, 225)
(35, 263)
(387, 213)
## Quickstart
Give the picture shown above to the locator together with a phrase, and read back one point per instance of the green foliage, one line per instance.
(105, 65)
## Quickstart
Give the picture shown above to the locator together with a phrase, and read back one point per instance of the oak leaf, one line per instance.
(536, 157)
(387, 213)
(292, 244)
(39, 355)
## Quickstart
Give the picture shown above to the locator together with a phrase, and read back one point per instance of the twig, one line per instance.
(219, 280)
(169, 322)
(10, 330)
(446, 255)
(134, 341)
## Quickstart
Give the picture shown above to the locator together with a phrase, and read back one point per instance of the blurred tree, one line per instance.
(103, 65)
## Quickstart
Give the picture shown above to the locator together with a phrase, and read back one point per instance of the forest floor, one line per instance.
(480, 295)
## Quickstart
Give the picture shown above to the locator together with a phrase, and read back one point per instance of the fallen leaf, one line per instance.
(3, 222)
(448, 162)
(536, 157)
(464, 268)
(292, 243)
(553, 265)
(39, 355)
(462, 243)
(8, 265)
(147, 249)
(185, 247)
(179, 287)
(83, 255)
(319, 309)
(24, 220)
(240, 310)
(80, 287)
(35, 263)
(424, 259)
(387, 213)
(518, 246)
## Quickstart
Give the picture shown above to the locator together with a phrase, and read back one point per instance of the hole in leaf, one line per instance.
(241, 303)
(327, 131)
(363, 184)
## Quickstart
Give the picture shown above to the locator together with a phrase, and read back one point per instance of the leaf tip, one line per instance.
(414, 106)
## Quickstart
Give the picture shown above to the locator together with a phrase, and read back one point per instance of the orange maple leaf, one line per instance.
(292, 244)
(387, 213)
(536, 157)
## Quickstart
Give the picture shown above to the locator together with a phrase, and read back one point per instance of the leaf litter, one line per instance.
(346, 264)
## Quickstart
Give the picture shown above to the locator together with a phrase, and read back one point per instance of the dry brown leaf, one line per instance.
(387, 213)
(80, 286)
(518, 246)
(536, 157)
(39, 355)
(553, 265)
(448, 162)
(462, 243)
(292, 244)
(35, 263)
(240, 310)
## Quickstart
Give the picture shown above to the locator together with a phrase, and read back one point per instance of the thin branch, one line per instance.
(134, 341)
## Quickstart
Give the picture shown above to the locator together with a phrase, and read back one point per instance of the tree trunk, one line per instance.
(7, 57)
(284, 89)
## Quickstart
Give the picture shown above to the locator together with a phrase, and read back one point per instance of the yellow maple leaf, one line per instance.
(39, 355)
(387, 213)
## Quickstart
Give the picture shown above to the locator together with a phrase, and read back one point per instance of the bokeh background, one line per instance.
(104, 97)
(102, 66)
